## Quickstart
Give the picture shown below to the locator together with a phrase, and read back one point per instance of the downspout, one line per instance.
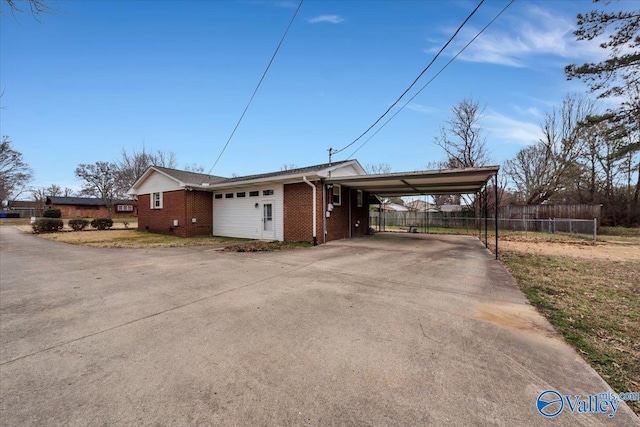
(324, 211)
(315, 237)
(350, 233)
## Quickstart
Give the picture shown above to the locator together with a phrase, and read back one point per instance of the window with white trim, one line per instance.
(336, 195)
(156, 200)
(124, 208)
(359, 198)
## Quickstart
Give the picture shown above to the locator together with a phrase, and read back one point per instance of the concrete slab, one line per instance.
(384, 330)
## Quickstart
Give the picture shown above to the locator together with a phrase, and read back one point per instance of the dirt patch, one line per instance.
(518, 316)
(615, 249)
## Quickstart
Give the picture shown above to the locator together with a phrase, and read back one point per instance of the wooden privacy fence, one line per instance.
(582, 211)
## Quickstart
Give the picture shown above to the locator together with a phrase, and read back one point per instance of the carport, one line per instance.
(432, 183)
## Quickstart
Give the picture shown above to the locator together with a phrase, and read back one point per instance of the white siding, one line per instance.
(157, 182)
(238, 217)
(345, 171)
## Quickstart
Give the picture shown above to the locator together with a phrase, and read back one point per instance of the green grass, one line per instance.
(620, 231)
(594, 304)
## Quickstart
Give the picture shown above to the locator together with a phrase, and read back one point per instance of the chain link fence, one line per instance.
(423, 222)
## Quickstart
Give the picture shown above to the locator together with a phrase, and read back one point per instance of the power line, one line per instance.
(258, 86)
(434, 77)
(414, 81)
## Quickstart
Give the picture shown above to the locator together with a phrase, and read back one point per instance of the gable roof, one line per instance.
(199, 180)
(298, 171)
(84, 201)
(187, 177)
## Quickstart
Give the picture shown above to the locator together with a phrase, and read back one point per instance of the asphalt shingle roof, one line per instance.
(83, 201)
(191, 177)
(200, 178)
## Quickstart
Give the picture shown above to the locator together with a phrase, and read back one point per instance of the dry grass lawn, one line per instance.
(134, 239)
(590, 292)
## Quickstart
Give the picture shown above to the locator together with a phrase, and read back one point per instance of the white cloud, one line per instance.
(286, 4)
(332, 19)
(421, 108)
(509, 129)
(522, 40)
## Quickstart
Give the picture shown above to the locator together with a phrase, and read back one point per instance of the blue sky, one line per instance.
(99, 76)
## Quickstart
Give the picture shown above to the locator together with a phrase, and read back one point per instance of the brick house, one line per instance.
(91, 207)
(294, 205)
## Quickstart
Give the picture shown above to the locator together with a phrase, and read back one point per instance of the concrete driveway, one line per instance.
(383, 330)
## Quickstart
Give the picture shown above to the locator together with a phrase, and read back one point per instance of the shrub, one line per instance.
(102, 223)
(48, 225)
(78, 224)
(52, 213)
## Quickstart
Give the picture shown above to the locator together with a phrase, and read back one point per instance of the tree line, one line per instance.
(584, 154)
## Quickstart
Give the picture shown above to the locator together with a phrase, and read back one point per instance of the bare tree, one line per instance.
(15, 174)
(194, 167)
(463, 138)
(380, 168)
(542, 170)
(99, 181)
(288, 167)
(131, 166)
(35, 6)
(39, 196)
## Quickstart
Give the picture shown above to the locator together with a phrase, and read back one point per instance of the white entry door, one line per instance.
(268, 228)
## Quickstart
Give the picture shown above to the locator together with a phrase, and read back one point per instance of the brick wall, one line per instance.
(199, 205)
(181, 205)
(73, 211)
(298, 218)
(298, 204)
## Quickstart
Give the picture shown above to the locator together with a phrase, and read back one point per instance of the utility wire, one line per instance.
(258, 86)
(433, 78)
(414, 81)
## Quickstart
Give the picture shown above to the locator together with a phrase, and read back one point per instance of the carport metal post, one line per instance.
(486, 216)
(495, 186)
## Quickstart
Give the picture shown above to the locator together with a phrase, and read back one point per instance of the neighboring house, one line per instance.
(392, 207)
(25, 208)
(91, 207)
(421, 206)
(270, 206)
(450, 208)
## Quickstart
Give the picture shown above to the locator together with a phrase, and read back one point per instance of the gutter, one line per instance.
(315, 237)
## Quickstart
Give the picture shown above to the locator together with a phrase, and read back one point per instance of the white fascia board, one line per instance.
(133, 190)
(281, 179)
(324, 173)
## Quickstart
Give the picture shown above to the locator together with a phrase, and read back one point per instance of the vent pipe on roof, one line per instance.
(314, 213)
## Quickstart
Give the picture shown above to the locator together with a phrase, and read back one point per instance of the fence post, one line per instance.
(595, 229)
(570, 226)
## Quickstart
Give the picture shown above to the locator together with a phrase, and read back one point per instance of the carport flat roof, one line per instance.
(434, 182)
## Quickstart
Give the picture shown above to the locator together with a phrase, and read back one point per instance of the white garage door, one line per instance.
(252, 213)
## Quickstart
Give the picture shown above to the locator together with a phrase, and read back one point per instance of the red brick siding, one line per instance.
(181, 205)
(298, 205)
(75, 211)
(338, 223)
(298, 218)
(199, 206)
(161, 220)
